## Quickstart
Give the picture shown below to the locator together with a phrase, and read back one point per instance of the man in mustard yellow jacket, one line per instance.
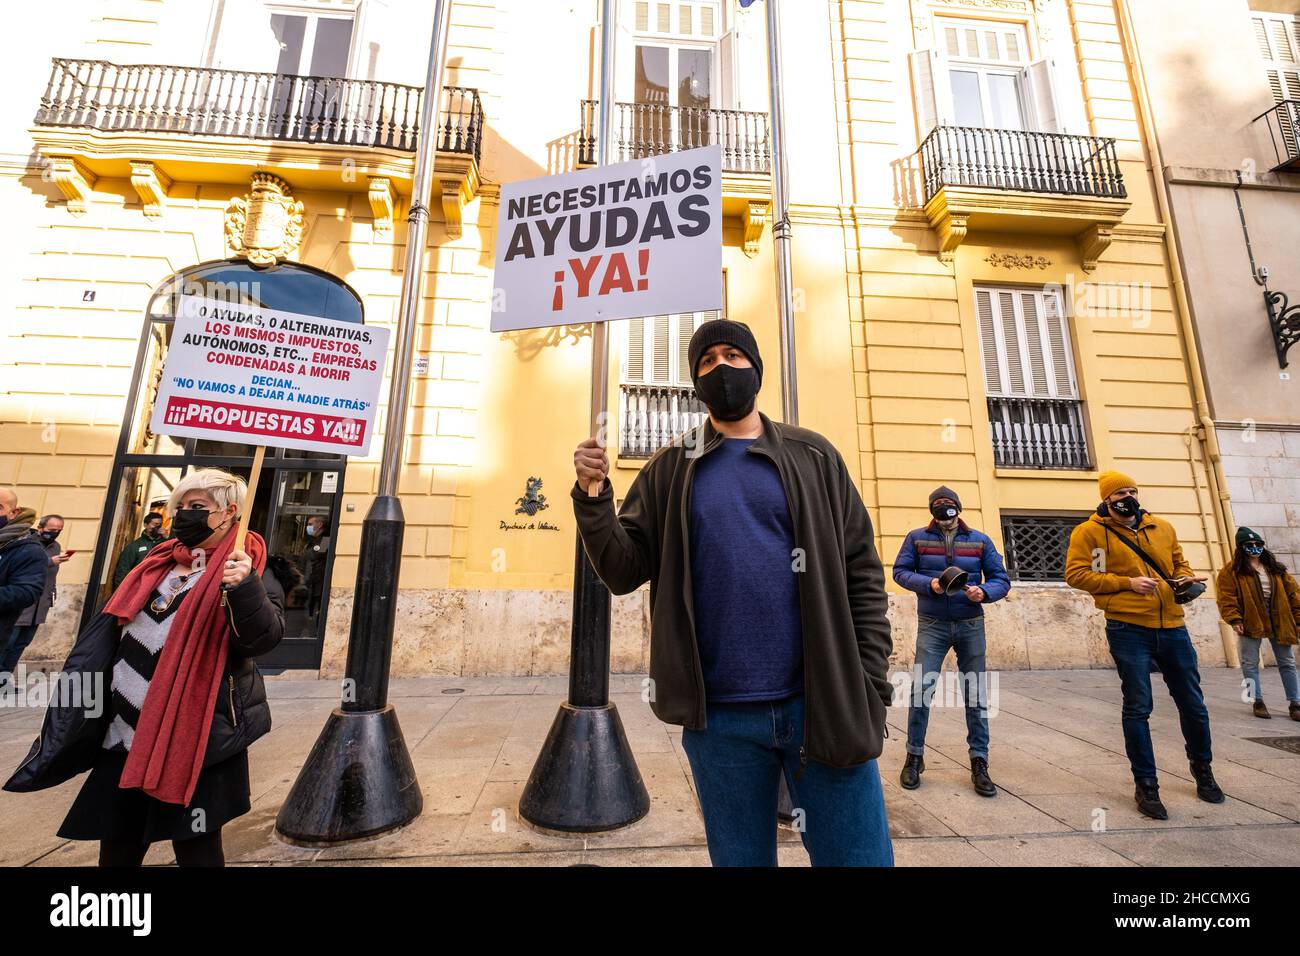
(1144, 627)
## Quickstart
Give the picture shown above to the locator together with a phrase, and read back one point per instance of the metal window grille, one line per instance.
(1036, 545)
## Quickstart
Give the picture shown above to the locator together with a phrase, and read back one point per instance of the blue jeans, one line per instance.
(1138, 651)
(18, 640)
(1285, 654)
(934, 637)
(737, 761)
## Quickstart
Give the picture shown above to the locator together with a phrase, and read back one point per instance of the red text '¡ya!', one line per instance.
(617, 276)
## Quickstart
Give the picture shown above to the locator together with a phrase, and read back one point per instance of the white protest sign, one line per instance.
(267, 377)
(614, 242)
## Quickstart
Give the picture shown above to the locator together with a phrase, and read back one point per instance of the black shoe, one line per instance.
(1147, 796)
(1259, 710)
(979, 775)
(1206, 788)
(1294, 711)
(910, 778)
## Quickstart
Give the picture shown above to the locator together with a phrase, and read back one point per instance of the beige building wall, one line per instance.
(887, 339)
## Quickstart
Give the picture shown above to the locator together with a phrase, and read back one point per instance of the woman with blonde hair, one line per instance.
(168, 754)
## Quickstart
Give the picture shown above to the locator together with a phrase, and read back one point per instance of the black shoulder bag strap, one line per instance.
(1136, 549)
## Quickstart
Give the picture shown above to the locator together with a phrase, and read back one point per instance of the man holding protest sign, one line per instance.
(769, 640)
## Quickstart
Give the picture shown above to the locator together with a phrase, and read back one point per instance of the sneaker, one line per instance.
(910, 778)
(1147, 796)
(1259, 710)
(1206, 787)
(979, 776)
(1294, 710)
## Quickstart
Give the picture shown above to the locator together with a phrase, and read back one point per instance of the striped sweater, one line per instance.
(142, 640)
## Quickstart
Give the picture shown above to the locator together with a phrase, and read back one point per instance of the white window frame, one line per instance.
(314, 13)
(1045, 299)
(932, 79)
(984, 66)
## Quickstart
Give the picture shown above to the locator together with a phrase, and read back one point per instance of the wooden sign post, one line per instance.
(253, 477)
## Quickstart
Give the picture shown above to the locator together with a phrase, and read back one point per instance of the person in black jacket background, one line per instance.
(181, 629)
(22, 564)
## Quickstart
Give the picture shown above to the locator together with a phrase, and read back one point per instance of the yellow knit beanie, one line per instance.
(1110, 482)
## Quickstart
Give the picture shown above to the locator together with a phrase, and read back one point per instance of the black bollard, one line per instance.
(585, 779)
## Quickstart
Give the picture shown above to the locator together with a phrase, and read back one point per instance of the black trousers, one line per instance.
(203, 850)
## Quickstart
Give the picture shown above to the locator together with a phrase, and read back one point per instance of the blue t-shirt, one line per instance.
(745, 588)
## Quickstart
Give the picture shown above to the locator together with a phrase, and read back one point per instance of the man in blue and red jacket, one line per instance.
(950, 621)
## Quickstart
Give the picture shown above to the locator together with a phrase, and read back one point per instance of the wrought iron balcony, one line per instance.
(650, 416)
(195, 101)
(1028, 162)
(642, 129)
(1283, 123)
(1038, 433)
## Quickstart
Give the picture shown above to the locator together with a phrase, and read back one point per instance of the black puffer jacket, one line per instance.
(73, 733)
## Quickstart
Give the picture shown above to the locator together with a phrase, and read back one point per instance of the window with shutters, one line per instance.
(980, 75)
(1277, 36)
(1035, 414)
(657, 400)
(988, 116)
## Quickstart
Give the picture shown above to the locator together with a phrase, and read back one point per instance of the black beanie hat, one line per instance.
(943, 491)
(723, 332)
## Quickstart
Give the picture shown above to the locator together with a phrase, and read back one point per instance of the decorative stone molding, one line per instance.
(952, 231)
(1012, 6)
(1093, 242)
(756, 215)
(266, 225)
(151, 184)
(74, 181)
(457, 184)
(1016, 260)
(954, 211)
(382, 200)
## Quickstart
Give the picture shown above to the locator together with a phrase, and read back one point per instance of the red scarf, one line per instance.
(172, 736)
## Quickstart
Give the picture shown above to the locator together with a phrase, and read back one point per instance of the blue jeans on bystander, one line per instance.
(1137, 651)
(934, 638)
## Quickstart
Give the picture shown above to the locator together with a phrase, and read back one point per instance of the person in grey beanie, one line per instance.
(769, 640)
(954, 570)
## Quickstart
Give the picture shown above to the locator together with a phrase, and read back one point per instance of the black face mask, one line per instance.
(943, 512)
(728, 391)
(1126, 507)
(50, 536)
(190, 526)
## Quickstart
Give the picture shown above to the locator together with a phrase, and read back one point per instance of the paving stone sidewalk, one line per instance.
(1057, 753)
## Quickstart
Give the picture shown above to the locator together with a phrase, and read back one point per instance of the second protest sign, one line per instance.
(614, 242)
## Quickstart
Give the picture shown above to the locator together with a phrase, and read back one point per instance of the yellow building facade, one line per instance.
(982, 270)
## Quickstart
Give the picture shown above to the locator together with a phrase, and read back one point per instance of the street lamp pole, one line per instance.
(359, 780)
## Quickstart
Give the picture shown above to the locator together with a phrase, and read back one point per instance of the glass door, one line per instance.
(673, 94)
(310, 71)
(296, 511)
